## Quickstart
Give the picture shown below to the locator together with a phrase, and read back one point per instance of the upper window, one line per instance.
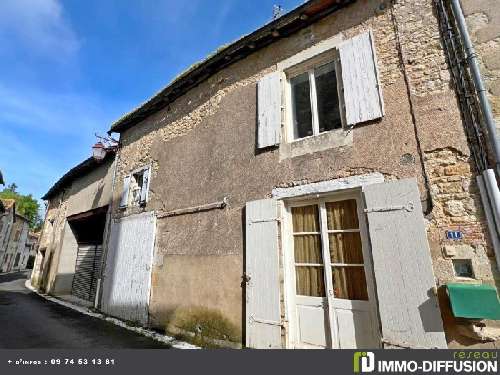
(315, 101)
(331, 85)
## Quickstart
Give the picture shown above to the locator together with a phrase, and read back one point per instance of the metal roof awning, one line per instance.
(474, 301)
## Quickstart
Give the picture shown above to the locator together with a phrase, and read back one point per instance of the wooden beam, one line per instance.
(191, 210)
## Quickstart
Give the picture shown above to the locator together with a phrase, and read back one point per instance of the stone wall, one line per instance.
(483, 21)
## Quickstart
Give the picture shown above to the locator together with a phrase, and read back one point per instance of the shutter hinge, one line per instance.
(409, 208)
(264, 220)
(252, 320)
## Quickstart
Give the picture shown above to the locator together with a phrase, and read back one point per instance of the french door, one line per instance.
(332, 299)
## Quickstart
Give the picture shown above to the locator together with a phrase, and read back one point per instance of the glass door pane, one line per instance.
(310, 278)
(349, 283)
(346, 251)
(345, 248)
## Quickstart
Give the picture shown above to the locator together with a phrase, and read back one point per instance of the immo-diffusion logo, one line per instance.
(466, 362)
(364, 362)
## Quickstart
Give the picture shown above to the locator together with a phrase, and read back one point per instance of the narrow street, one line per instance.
(28, 321)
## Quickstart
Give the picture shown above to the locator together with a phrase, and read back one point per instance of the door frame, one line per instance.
(287, 243)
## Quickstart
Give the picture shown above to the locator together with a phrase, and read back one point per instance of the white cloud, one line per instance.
(55, 113)
(39, 25)
(44, 134)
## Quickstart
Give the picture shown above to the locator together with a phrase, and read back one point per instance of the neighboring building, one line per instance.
(31, 249)
(70, 246)
(313, 184)
(7, 218)
(25, 257)
(14, 241)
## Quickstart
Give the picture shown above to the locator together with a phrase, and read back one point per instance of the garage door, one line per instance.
(127, 279)
(87, 269)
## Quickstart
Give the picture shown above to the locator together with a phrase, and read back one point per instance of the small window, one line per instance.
(315, 101)
(136, 184)
(463, 268)
(135, 188)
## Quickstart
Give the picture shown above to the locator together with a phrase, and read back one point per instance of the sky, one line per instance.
(69, 68)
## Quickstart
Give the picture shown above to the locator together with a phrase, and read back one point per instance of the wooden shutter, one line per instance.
(408, 307)
(126, 186)
(263, 319)
(269, 110)
(362, 95)
(145, 186)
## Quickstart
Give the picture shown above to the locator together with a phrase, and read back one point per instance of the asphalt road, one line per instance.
(28, 321)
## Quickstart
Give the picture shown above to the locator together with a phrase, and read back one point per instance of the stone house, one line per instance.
(13, 235)
(7, 218)
(316, 183)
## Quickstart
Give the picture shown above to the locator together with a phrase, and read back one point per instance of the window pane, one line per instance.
(305, 219)
(346, 248)
(327, 98)
(342, 215)
(310, 281)
(349, 283)
(301, 100)
(308, 248)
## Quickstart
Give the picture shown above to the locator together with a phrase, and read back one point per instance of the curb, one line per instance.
(142, 331)
(17, 271)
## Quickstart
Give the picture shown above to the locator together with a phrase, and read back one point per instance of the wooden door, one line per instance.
(127, 279)
(334, 299)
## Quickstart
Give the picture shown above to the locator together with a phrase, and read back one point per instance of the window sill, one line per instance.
(316, 143)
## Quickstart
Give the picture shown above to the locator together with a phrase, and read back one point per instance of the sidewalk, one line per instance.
(176, 344)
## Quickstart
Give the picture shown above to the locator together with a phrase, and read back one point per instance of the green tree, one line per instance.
(26, 205)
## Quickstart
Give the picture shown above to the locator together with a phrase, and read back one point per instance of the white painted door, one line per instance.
(127, 278)
(333, 296)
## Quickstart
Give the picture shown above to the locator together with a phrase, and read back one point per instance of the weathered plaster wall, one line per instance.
(483, 20)
(64, 262)
(208, 136)
(203, 148)
(50, 239)
(92, 190)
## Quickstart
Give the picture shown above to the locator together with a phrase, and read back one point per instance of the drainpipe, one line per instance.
(487, 182)
(478, 82)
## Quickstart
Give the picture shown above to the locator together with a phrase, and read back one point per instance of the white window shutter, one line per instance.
(269, 110)
(145, 185)
(408, 308)
(263, 318)
(126, 186)
(362, 94)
